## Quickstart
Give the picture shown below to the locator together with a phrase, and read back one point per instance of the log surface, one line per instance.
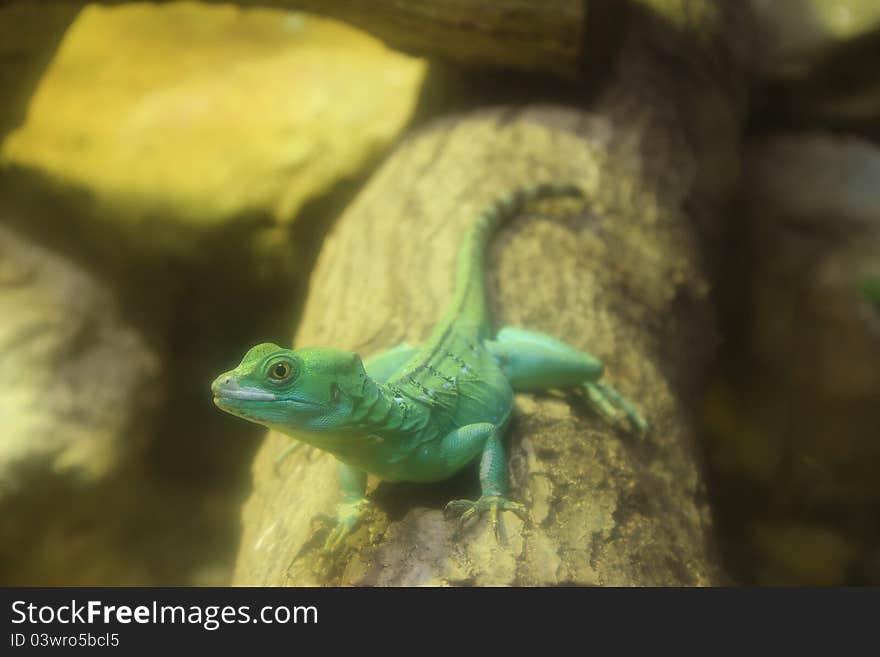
(621, 275)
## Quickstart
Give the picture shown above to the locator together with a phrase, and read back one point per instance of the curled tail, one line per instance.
(469, 303)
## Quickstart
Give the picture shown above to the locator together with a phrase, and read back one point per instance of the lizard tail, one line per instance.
(469, 303)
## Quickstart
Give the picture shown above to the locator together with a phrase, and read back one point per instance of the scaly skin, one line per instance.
(420, 413)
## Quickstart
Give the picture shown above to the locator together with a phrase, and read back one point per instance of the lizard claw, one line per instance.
(348, 515)
(614, 407)
(320, 523)
(491, 503)
(334, 540)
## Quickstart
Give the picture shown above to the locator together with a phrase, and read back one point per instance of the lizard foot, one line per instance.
(348, 514)
(491, 503)
(612, 406)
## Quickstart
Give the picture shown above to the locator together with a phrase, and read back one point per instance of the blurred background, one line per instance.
(167, 174)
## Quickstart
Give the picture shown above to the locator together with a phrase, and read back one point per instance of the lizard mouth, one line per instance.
(268, 410)
(245, 394)
(227, 399)
(267, 407)
(233, 395)
(228, 393)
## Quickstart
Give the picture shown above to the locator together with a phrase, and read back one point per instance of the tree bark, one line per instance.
(550, 36)
(621, 275)
(543, 36)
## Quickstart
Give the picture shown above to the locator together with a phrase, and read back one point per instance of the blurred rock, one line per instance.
(819, 180)
(803, 553)
(79, 382)
(193, 115)
(817, 198)
(162, 200)
(799, 33)
(82, 393)
(795, 420)
(30, 31)
(819, 62)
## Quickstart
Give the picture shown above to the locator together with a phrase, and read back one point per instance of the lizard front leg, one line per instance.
(460, 447)
(353, 483)
(534, 361)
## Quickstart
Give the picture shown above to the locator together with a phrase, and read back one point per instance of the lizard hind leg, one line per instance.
(534, 361)
(460, 447)
(610, 403)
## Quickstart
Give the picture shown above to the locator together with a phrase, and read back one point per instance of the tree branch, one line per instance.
(622, 276)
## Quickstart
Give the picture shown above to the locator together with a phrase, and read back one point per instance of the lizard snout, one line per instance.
(221, 383)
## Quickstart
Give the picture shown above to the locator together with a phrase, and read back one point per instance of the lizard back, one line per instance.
(453, 375)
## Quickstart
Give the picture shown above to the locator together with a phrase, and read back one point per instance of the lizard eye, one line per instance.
(280, 371)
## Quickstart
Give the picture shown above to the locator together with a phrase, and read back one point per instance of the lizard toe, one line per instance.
(494, 504)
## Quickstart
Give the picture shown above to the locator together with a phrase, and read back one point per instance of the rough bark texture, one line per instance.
(533, 36)
(620, 275)
(548, 36)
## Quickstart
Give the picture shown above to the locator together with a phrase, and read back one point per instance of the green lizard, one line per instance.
(420, 414)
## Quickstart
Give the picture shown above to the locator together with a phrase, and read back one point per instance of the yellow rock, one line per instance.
(202, 113)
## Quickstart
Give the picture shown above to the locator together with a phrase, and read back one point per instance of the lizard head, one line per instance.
(311, 390)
